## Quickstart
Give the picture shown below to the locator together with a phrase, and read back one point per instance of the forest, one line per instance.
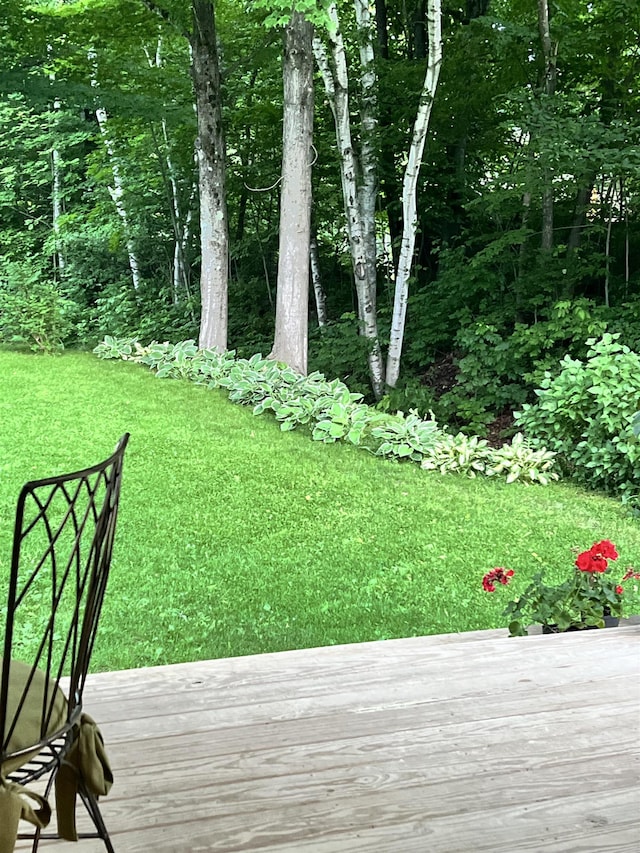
(432, 201)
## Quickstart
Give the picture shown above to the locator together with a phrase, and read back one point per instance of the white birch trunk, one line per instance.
(316, 280)
(336, 83)
(368, 190)
(181, 221)
(56, 200)
(117, 196)
(409, 191)
(292, 292)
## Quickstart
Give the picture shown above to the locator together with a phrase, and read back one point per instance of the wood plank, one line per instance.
(438, 744)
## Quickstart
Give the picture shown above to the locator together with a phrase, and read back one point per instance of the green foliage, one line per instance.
(332, 412)
(339, 350)
(280, 11)
(489, 377)
(471, 455)
(32, 309)
(520, 461)
(221, 507)
(585, 413)
(460, 454)
(582, 600)
(406, 436)
(499, 368)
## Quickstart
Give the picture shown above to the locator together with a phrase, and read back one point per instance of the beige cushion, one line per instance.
(27, 732)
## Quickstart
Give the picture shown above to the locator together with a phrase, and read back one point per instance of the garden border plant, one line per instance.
(586, 414)
(333, 413)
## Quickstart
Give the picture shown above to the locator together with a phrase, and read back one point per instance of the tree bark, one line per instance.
(56, 198)
(117, 196)
(316, 280)
(336, 83)
(548, 87)
(210, 157)
(409, 191)
(292, 293)
(210, 153)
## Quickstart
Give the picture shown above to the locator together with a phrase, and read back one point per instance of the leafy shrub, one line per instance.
(586, 413)
(338, 349)
(500, 366)
(471, 455)
(32, 310)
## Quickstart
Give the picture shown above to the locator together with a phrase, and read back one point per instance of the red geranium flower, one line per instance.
(606, 549)
(631, 574)
(589, 561)
(497, 575)
(619, 589)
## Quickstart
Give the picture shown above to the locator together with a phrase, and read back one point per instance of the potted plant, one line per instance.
(591, 597)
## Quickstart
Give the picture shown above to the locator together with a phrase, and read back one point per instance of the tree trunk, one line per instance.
(382, 28)
(548, 87)
(117, 196)
(292, 294)
(368, 190)
(336, 83)
(409, 192)
(316, 280)
(210, 153)
(180, 218)
(56, 198)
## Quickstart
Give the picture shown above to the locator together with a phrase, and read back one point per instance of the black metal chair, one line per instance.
(63, 540)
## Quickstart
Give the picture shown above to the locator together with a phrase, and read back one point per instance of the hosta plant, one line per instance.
(460, 454)
(590, 593)
(520, 461)
(332, 412)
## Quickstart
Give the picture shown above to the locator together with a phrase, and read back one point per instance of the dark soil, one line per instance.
(442, 376)
(501, 429)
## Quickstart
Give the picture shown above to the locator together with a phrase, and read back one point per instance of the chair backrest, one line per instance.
(62, 546)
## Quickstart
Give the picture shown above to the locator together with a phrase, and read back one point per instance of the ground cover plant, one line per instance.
(332, 412)
(236, 537)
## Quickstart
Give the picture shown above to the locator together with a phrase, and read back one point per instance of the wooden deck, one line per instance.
(472, 742)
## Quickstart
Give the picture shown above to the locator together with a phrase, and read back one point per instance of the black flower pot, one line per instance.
(609, 622)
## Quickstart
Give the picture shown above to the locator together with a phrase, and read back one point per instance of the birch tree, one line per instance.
(409, 191)
(56, 197)
(116, 188)
(316, 281)
(117, 193)
(181, 211)
(359, 193)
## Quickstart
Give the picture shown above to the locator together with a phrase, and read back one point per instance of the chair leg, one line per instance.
(38, 832)
(36, 841)
(91, 804)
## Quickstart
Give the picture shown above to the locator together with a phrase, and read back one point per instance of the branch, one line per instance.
(166, 16)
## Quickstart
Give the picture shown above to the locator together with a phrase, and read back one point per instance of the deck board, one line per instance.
(442, 744)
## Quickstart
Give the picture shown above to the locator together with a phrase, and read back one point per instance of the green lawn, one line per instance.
(236, 538)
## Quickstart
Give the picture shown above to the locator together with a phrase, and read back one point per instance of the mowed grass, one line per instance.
(235, 538)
